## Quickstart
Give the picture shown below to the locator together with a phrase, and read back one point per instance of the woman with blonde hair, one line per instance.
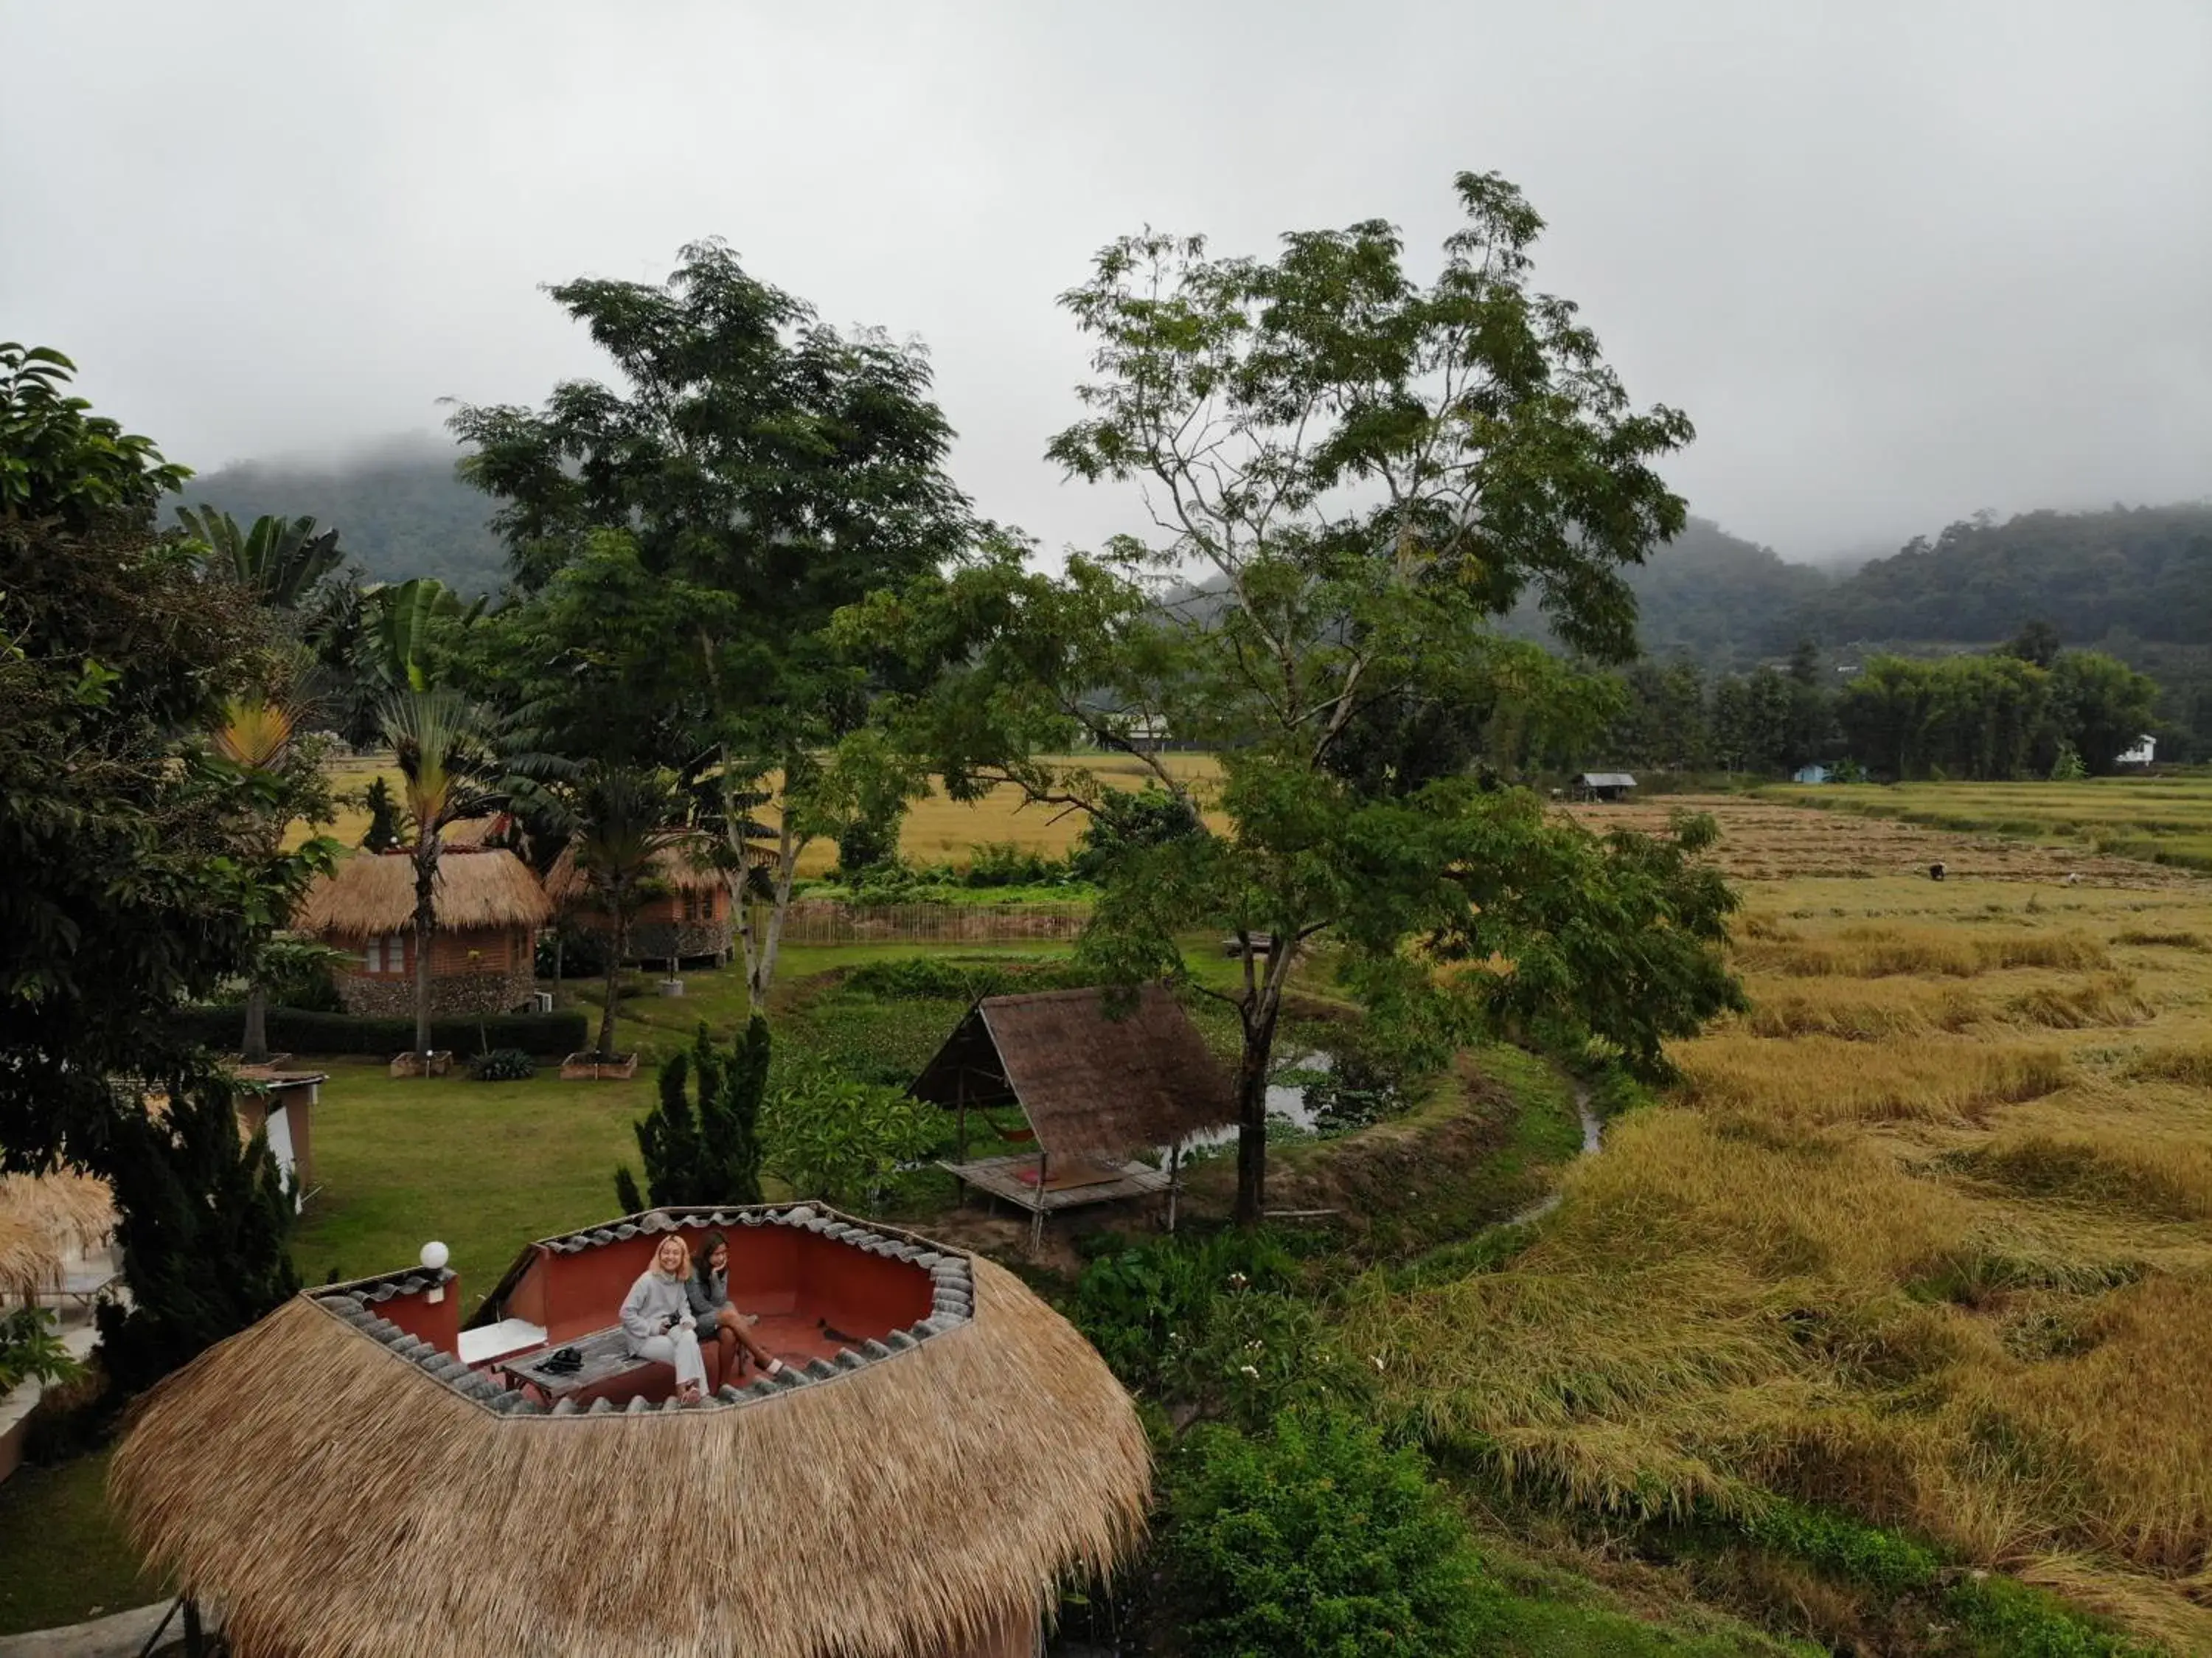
(657, 1321)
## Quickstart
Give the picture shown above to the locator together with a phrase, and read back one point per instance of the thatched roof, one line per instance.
(686, 868)
(372, 894)
(43, 1218)
(359, 1504)
(1091, 1085)
(495, 830)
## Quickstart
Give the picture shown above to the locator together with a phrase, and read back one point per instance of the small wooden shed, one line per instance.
(1095, 1083)
(1604, 785)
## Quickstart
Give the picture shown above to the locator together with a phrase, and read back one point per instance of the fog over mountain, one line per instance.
(1899, 260)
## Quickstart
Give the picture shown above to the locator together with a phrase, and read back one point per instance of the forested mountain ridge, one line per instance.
(398, 509)
(2141, 570)
(1708, 595)
(2119, 576)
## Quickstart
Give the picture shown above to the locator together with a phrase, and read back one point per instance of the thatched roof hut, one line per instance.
(924, 1497)
(1091, 1085)
(687, 866)
(371, 895)
(44, 1220)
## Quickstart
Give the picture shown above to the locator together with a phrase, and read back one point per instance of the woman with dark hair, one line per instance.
(708, 1291)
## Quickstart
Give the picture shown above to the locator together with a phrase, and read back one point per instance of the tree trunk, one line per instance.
(760, 969)
(426, 919)
(617, 947)
(1262, 1011)
(1251, 1131)
(254, 1050)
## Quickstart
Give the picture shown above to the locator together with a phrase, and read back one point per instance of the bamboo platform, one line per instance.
(1001, 1177)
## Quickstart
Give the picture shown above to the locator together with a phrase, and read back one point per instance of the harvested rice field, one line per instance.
(2160, 819)
(1768, 840)
(1924, 1236)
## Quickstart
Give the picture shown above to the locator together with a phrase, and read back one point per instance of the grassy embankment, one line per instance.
(2166, 820)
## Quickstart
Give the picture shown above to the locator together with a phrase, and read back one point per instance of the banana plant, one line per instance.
(280, 561)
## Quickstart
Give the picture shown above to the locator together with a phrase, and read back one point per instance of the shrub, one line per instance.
(1128, 823)
(205, 1229)
(545, 1035)
(1006, 863)
(1317, 1540)
(841, 1140)
(707, 1149)
(941, 979)
(583, 954)
(1215, 1325)
(30, 1350)
(504, 1065)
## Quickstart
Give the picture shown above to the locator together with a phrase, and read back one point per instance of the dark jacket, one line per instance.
(709, 1293)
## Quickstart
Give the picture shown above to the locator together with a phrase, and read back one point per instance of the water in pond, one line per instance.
(1319, 1093)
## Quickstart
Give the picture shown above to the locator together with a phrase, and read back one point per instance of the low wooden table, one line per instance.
(607, 1357)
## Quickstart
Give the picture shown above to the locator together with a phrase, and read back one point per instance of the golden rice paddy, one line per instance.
(1926, 1234)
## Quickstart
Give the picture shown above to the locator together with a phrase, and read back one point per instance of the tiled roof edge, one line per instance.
(952, 1303)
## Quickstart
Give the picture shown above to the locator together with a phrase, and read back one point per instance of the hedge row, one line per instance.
(292, 1031)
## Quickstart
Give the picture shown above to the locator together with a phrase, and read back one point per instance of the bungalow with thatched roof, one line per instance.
(488, 908)
(941, 1450)
(1094, 1087)
(689, 919)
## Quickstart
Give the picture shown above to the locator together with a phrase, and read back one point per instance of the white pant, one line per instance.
(679, 1347)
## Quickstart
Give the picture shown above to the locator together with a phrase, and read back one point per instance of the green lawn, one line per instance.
(2166, 820)
(483, 1166)
(486, 1168)
(63, 1559)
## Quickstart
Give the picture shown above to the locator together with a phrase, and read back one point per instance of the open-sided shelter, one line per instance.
(393, 1487)
(1604, 785)
(688, 918)
(49, 1223)
(1095, 1082)
(489, 907)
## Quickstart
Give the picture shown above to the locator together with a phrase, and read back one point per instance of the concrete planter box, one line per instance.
(415, 1065)
(589, 1068)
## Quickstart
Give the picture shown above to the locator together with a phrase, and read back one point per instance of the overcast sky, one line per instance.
(1898, 261)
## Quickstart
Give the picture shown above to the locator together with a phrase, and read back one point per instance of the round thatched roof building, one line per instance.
(340, 1486)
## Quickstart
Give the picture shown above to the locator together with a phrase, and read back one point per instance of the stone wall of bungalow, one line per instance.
(691, 926)
(478, 969)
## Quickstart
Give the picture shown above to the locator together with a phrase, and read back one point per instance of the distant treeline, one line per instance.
(2028, 710)
(2134, 584)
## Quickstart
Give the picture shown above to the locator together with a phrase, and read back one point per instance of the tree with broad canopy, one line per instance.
(761, 471)
(1349, 475)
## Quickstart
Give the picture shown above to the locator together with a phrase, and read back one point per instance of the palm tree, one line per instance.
(623, 821)
(256, 734)
(450, 769)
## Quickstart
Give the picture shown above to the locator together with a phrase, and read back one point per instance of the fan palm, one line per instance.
(450, 769)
